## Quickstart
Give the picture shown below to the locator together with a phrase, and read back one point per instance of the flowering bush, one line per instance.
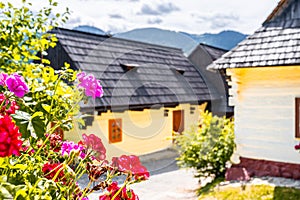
(47, 167)
(35, 102)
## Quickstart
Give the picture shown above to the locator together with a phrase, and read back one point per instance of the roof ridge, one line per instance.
(219, 48)
(121, 39)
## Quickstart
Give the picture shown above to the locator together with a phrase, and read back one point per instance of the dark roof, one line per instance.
(134, 75)
(276, 43)
(213, 52)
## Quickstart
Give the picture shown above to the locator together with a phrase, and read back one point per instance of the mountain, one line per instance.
(89, 29)
(160, 37)
(185, 41)
(224, 40)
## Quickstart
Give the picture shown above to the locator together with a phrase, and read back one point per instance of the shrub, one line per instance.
(207, 147)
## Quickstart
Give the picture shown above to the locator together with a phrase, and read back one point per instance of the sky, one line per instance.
(192, 16)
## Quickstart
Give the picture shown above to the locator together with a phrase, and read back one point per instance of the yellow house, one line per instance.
(264, 72)
(149, 90)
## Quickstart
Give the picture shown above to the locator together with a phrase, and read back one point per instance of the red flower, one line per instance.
(9, 137)
(297, 147)
(8, 107)
(123, 195)
(129, 194)
(131, 163)
(55, 142)
(93, 142)
(50, 170)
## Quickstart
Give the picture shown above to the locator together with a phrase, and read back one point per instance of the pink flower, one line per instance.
(17, 85)
(3, 77)
(131, 164)
(91, 85)
(10, 142)
(95, 143)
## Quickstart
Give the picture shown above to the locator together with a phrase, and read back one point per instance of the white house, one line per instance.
(265, 92)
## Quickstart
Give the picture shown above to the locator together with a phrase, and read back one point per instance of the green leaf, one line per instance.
(38, 125)
(46, 107)
(21, 115)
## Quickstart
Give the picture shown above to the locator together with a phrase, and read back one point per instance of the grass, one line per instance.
(251, 192)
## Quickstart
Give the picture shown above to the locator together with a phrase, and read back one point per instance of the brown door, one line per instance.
(178, 121)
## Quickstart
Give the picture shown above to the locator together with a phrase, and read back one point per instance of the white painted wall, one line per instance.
(264, 109)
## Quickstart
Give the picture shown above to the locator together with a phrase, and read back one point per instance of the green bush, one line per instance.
(207, 147)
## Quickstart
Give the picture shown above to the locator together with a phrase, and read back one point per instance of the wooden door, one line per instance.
(178, 121)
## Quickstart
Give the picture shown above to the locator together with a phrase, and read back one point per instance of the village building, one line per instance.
(201, 56)
(264, 72)
(150, 91)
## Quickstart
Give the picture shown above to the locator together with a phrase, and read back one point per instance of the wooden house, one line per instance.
(265, 91)
(149, 90)
(201, 56)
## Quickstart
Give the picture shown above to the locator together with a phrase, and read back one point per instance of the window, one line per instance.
(115, 130)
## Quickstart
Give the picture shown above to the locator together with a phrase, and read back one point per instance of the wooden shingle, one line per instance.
(276, 43)
(158, 75)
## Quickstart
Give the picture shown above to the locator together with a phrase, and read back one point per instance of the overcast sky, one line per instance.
(193, 16)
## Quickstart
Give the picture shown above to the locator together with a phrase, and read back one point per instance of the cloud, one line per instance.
(116, 16)
(167, 8)
(161, 9)
(154, 21)
(74, 21)
(217, 20)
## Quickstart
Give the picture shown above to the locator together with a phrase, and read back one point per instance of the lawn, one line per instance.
(251, 192)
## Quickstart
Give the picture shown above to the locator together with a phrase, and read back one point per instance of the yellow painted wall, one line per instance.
(143, 131)
(264, 108)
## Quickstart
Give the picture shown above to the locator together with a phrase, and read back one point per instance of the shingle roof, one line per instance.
(214, 52)
(276, 43)
(133, 74)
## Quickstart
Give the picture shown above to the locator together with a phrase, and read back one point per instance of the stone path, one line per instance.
(174, 185)
(167, 181)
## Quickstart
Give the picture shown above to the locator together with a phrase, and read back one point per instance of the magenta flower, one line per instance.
(68, 147)
(91, 85)
(3, 77)
(17, 85)
(93, 142)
